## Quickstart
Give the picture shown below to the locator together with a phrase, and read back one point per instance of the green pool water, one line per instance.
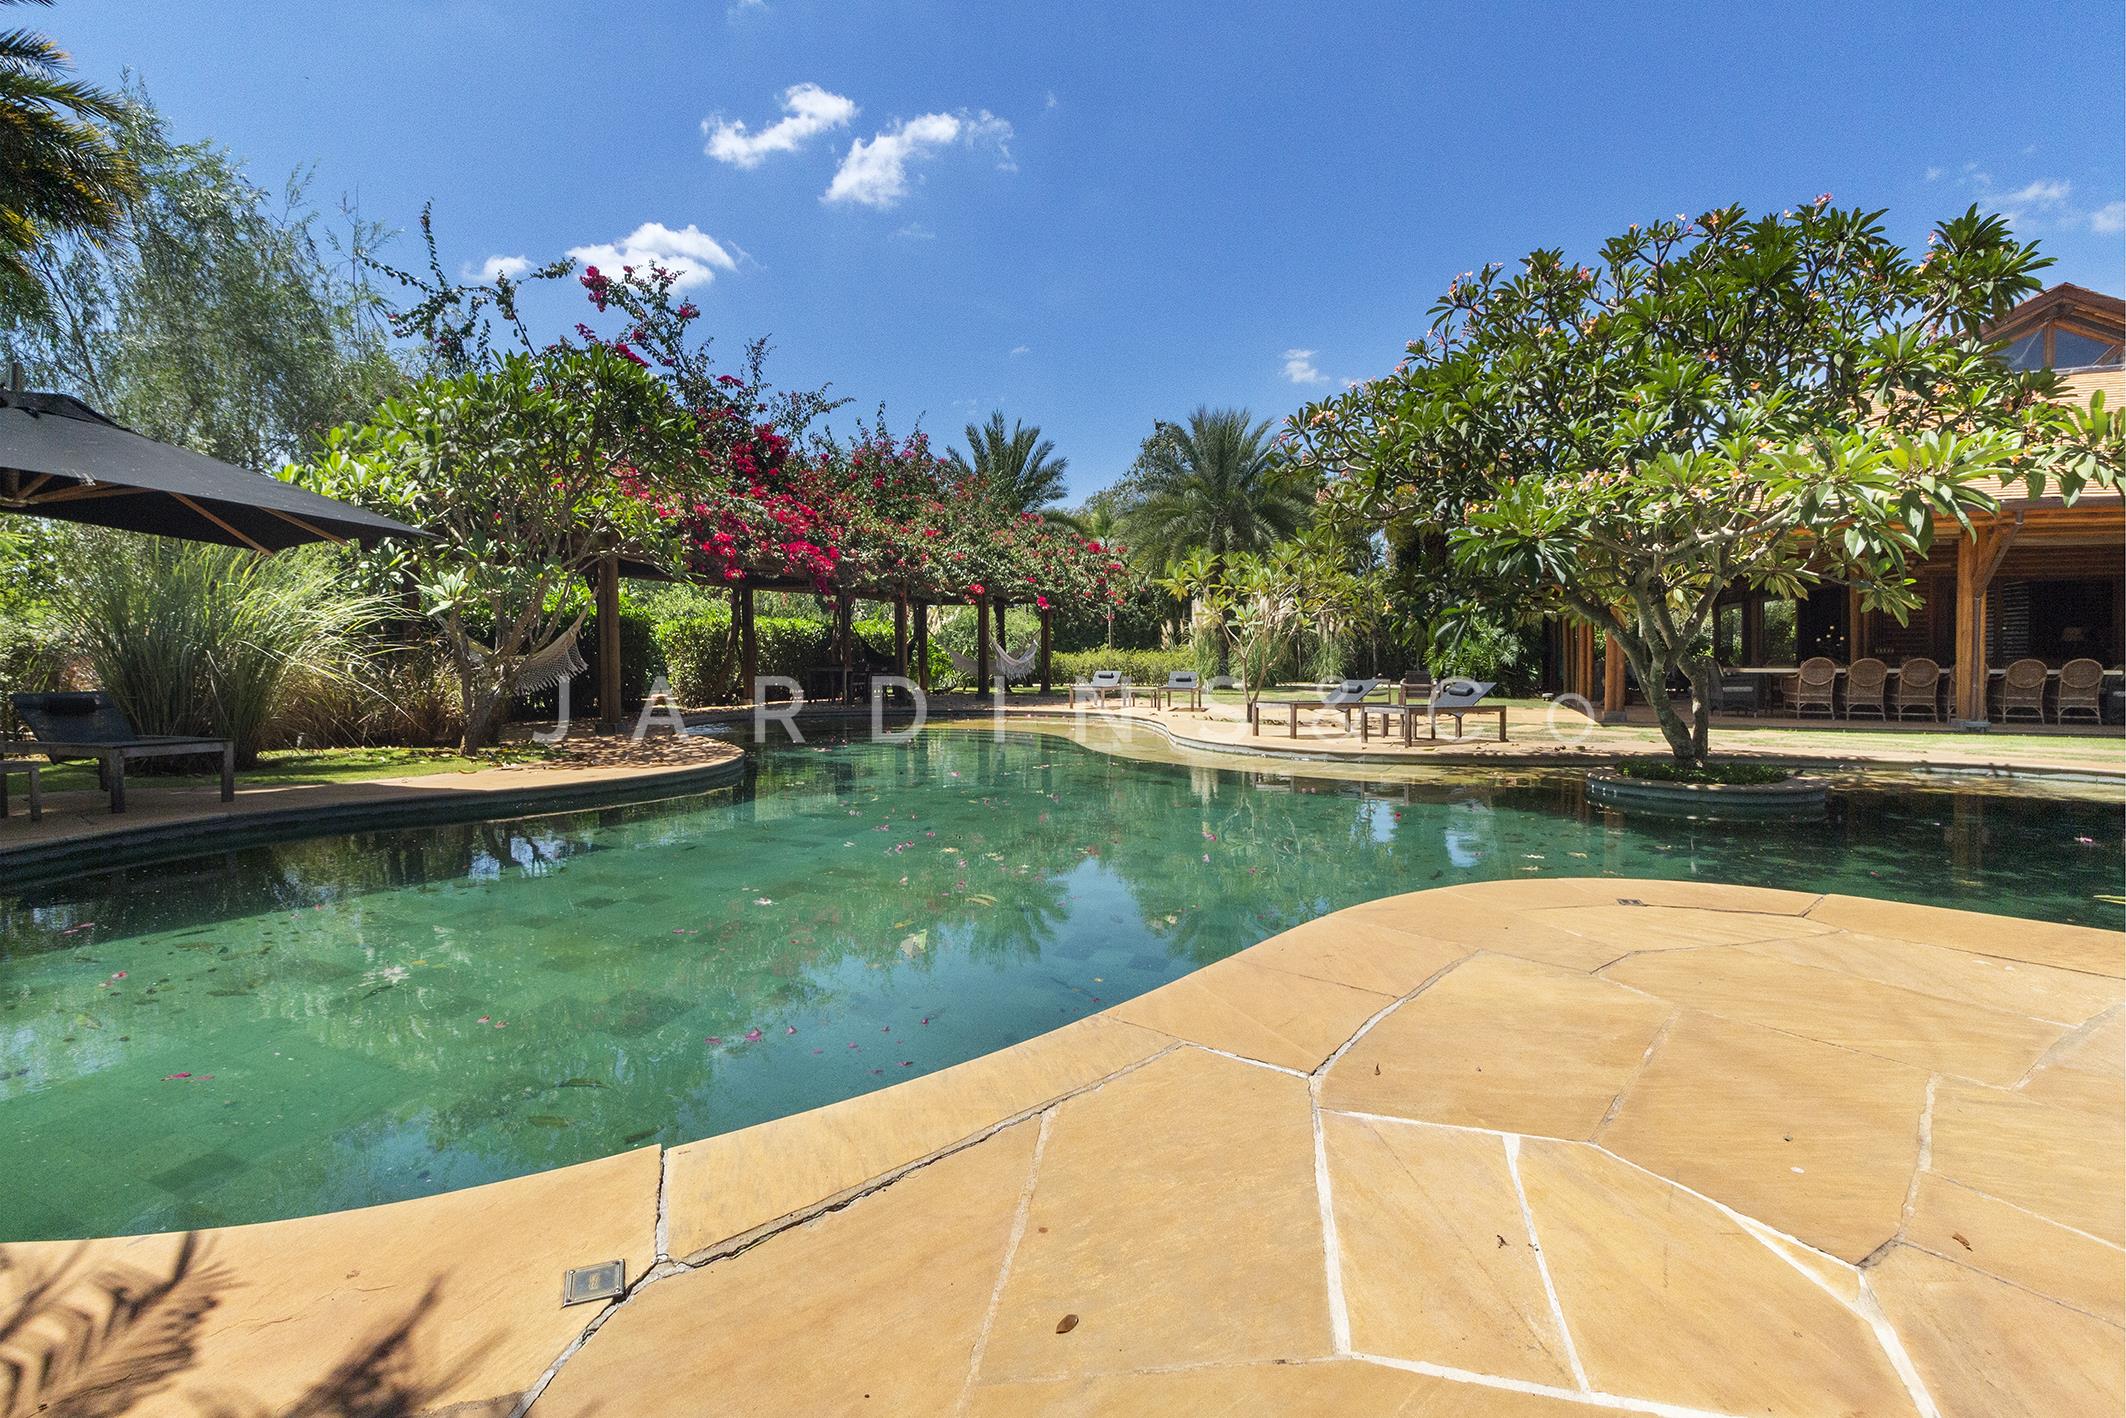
(338, 1021)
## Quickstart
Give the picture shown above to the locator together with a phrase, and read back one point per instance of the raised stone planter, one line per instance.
(1798, 796)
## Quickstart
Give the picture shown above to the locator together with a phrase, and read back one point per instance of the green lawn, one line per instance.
(287, 767)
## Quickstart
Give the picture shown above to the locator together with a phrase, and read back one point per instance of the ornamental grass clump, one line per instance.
(191, 639)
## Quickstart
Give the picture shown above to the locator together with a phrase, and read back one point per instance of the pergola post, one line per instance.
(608, 602)
(1978, 556)
(1583, 654)
(981, 645)
(900, 637)
(1753, 631)
(748, 646)
(1612, 677)
(1856, 626)
(845, 617)
(922, 645)
(1047, 615)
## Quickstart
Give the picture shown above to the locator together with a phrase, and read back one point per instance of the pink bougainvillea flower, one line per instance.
(120, 975)
(752, 1036)
(169, 1076)
(789, 1029)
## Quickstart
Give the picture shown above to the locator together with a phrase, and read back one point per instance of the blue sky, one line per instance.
(1093, 216)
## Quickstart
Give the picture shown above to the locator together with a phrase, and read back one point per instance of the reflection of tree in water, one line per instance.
(102, 1338)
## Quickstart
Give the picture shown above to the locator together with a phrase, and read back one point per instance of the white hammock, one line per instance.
(544, 668)
(1013, 667)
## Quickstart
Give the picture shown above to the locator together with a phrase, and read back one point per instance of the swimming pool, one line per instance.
(343, 1020)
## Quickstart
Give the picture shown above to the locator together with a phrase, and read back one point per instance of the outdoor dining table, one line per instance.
(1786, 674)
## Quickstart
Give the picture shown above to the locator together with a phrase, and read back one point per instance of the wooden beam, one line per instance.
(609, 642)
(302, 526)
(922, 644)
(845, 615)
(748, 646)
(981, 645)
(1047, 639)
(247, 540)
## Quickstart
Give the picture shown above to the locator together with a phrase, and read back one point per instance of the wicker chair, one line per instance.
(2081, 691)
(2023, 690)
(1919, 687)
(1865, 683)
(1815, 685)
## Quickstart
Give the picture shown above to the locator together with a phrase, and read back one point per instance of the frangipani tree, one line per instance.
(1775, 402)
(521, 473)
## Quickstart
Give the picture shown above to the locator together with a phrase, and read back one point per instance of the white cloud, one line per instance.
(690, 253)
(738, 9)
(2041, 193)
(916, 231)
(1933, 174)
(1022, 349)
(874, 173)
(810, 111)
(1052, 100)
(1299, 368)
(513, 267)
(2109, 218)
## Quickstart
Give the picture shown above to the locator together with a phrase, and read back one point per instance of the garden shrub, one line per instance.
(700, 659)
(1138, 666)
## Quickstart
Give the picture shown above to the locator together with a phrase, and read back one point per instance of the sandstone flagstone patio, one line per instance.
(1525, 1149)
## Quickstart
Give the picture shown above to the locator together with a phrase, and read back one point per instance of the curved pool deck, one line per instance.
(1532, 1148)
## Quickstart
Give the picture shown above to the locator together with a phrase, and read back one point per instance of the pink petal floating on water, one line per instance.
(119, 976)
(1206, 856)
(789, 1029)
(715, 1039)
(926, 1019)
(907, 1063)
(2086, 841)
(885, 1029)
(878, 1070)
(752, 1036)
(501, 1024)
(819, 1051)
(485, 1020)
(168, 1076)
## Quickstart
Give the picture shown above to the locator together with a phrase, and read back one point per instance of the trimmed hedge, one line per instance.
(702, 668)
(1138, 666)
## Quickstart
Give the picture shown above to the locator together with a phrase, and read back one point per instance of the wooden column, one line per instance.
(922, 645)
(1612, 676)
(748, 646)
(609, 642)
(1978, 556)
(845, 617)
(981, 645)
(900, 638)
(1753, 631)
(1583, 656)
(1047, 638)
(1856, 627)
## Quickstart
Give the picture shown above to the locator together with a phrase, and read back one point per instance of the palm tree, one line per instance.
(61, 169)
(1210, 487)
(1018, 470)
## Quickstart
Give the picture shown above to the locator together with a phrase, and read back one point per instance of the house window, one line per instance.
(2073, 350)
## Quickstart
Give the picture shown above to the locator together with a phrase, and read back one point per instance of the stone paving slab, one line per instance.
(1690, 1184)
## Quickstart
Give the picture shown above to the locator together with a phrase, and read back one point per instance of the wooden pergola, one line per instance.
(911, 624)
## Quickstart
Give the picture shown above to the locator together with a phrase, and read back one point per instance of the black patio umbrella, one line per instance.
(61, 458)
